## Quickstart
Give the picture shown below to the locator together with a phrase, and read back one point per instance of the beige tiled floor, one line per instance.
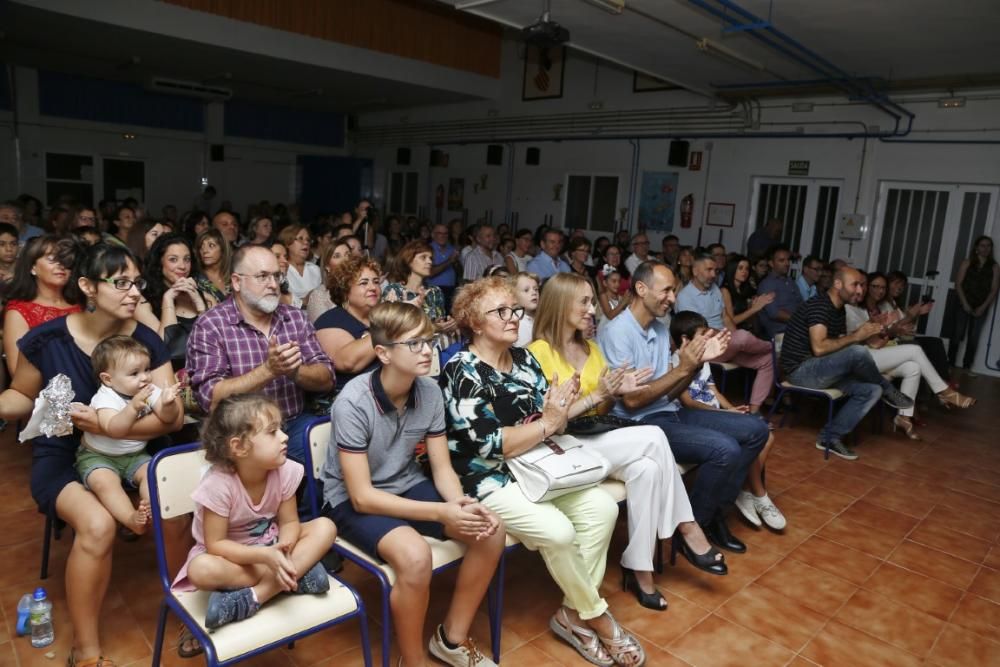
(890, 560)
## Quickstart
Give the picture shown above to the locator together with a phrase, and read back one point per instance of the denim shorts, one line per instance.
(124, 465)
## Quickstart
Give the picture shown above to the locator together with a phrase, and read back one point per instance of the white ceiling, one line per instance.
(954, 42)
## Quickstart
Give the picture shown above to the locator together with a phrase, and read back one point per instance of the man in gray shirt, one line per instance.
(382, 503)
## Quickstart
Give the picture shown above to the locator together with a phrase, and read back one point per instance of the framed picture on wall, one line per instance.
(544, 70)
(456, 194)
(643, 83)
(720, 215)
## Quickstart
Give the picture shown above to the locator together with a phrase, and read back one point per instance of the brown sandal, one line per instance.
(623, 648)
(96, 661)
(186, 639)
(584, 640)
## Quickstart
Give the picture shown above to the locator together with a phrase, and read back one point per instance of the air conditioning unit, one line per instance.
(189, 89)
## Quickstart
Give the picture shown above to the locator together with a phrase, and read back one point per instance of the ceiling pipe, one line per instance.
(805, 56)
(704, 92)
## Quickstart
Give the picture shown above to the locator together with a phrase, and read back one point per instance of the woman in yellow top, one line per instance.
(640, 456)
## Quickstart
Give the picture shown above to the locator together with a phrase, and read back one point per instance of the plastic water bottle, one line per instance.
(42, 633)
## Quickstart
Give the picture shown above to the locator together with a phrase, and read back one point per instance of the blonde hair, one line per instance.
(391, 320)
(241, 416)
(288, 234)
(525, 274)
(466, 307)
(558, 297)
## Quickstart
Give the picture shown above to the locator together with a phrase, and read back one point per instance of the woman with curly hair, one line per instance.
(343, 332)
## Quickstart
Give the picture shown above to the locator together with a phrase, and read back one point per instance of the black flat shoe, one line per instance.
(718, 534)
(709, 561)
(654, 600)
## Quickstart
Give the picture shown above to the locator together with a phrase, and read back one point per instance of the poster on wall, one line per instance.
(543, 73)
(456, 194)
(657, 200)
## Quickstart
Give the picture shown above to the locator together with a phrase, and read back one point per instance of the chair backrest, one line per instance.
(175, 476)
(317, 444)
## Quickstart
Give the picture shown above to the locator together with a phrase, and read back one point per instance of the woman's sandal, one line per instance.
(188, 645)
(584, 640)
(623, 648)
(96, 661)
(950, 397)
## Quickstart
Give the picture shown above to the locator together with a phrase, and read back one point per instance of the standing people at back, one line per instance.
(976, 286)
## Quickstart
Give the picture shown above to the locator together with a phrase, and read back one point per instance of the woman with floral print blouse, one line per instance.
(500, 405)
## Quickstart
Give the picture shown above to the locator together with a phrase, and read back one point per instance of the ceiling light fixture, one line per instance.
(705, 45)
(610, 6)
(951, 102)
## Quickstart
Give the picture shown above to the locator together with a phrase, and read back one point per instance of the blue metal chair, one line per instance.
(724, 369)
(173, 475)
(445, 554)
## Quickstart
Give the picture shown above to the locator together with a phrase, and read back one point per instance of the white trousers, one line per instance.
(909, 363)
(657, 501)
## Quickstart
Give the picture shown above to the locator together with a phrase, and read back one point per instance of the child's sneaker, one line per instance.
(464, 655)
(744, 503)
(769, 512)
(229, 606)
(314, 581)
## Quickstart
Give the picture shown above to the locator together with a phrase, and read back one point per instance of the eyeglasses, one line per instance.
(416, 345)
(505, 312)
(265, 278)
(124, 284)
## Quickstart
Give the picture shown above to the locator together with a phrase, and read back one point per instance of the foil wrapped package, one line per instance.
(50, 416)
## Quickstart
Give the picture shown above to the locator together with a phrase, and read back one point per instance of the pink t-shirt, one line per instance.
(222, 492)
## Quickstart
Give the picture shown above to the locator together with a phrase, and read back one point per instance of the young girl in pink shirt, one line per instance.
(249, 544)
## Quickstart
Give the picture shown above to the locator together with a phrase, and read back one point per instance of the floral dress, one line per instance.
(433, 298)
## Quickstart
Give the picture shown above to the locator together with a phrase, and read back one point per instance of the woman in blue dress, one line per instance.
(109, 288)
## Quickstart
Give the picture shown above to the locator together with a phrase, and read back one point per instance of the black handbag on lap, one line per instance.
(597, 424)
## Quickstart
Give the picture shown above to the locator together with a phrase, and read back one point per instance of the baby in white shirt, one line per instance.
(105, 459)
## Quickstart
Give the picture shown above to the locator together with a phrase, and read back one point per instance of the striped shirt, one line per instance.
(796, 347)
(223, 345)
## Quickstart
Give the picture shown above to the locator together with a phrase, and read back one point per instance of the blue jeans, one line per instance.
(722, 444)
(852, 371)
(295, 428)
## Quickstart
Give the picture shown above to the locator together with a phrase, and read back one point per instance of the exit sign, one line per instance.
(798, 167)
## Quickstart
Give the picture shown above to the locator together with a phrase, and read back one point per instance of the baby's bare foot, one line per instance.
(139, 520)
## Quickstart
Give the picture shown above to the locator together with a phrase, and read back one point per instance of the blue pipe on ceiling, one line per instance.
(815, 62)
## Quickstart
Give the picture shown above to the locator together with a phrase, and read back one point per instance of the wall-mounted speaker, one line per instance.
(533, 156)
(494, 154)
(437, 158)
(678, 155)
(403, 156)
(217, 152)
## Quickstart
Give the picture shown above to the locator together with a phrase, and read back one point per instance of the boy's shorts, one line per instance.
(125, 465)
(366, 530)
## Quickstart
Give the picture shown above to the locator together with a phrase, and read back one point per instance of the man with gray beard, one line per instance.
(253, 343)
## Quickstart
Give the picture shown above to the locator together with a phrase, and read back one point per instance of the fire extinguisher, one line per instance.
(687, 210)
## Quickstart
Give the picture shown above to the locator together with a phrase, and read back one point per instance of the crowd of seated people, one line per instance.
(476, 341)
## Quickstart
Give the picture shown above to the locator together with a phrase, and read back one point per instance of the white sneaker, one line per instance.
(465, 654)
(770, 513)
(745, 504)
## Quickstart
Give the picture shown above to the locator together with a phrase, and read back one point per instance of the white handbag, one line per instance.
(551, 469)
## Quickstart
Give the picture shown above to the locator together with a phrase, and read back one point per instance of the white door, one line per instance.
(807, 206)
(925, 230)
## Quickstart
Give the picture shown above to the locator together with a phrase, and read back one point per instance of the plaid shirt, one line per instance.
(223, 345)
